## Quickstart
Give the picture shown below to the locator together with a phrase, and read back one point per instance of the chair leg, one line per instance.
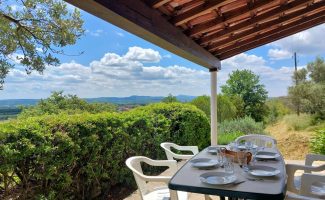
(222, 198)
(173, 195)
(207, 197)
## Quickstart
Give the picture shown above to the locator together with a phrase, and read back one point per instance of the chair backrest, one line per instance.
(134, 164)
(311, 158)
(307, 182)
(259, 140)
(171, 155)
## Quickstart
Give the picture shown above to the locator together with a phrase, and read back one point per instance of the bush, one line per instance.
(317, 143)
(82, 156)
(225, 107)
(224, 139)
(246, 125)
(276, 110)
(298, 123)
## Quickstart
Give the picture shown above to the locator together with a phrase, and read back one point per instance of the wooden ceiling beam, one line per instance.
(271, 38)
(156, 3)
(267, 25)
(198, 11)
(267, 15)
(138, 18)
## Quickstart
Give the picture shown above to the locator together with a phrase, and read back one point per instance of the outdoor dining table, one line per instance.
(187, 179)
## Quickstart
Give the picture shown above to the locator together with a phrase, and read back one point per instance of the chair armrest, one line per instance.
(291, 170)
(306, 184)
(193, 149)
(162, 179)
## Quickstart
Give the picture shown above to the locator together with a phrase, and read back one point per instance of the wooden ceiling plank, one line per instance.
(274, 37)
(198, 11)
(138, 18)
(270, 33)
(267, 25)
(271, 13)
(242, 25)
(156, 3)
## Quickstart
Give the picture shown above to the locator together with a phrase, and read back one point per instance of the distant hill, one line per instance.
(115, 100)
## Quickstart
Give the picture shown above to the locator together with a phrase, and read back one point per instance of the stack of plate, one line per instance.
(204, 163)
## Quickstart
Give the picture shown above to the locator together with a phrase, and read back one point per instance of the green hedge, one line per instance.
(83, 156)
(318, 142)
(246, 125)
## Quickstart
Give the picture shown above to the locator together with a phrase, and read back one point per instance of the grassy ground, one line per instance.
(293, 134)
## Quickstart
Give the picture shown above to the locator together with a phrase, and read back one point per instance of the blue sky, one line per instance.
(117, 63)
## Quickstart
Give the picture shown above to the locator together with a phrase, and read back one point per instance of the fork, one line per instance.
(255, 179)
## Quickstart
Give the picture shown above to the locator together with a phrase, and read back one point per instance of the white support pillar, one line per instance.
(213, 106)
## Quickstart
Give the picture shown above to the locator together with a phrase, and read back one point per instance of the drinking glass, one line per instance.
(232, 145)
(221, 155)
(248, 145)
(242, 160)
(229, 165)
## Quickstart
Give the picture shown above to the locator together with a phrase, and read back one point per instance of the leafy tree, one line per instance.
(226, 110)
(276, 109)
(169, 99)
(317, 70)
(32, 31)
(246, 85)
(309, 95)
(58, 102)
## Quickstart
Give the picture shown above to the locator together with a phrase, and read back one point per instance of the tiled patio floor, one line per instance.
(194, 196)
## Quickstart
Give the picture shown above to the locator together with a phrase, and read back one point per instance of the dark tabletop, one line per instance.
(188, 179)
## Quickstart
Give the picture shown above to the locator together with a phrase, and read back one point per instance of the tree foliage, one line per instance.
(32, 31)
(226, 110)
(247, 86)
(309, 94)
(169, 99)
(71, 104)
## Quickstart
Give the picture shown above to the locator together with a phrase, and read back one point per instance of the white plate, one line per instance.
(204, 163)
(243, 147)
(217, 178)
(260, 170)
(267, 155)
(213, 150)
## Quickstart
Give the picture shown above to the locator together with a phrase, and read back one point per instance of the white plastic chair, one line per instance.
(142, 180)
(313, 185)
(294, 182)
(312, 188)
(259, 140)
(172, 156)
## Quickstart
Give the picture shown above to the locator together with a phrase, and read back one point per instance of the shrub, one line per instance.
(225, 107)
(276, 109)
(317, 143)
(82, 156)
(300, 122)
(245, 125)
(224, 139)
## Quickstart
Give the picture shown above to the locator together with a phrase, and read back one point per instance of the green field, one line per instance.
(9, 112)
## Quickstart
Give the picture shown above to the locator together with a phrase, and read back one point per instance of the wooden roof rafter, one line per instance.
(267, 25)
(270, 37)
(207, 31)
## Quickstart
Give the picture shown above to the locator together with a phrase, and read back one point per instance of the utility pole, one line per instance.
(295, 58)
(296, 77)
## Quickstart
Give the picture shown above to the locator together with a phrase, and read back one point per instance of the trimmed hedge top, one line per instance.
(82, 156)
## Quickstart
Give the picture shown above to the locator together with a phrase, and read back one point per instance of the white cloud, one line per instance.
(279, 54)
(142, 55)
(309, 42)
(95, 33)
(167, 56)
(275, 80)
(120, 34)
(130, 74)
